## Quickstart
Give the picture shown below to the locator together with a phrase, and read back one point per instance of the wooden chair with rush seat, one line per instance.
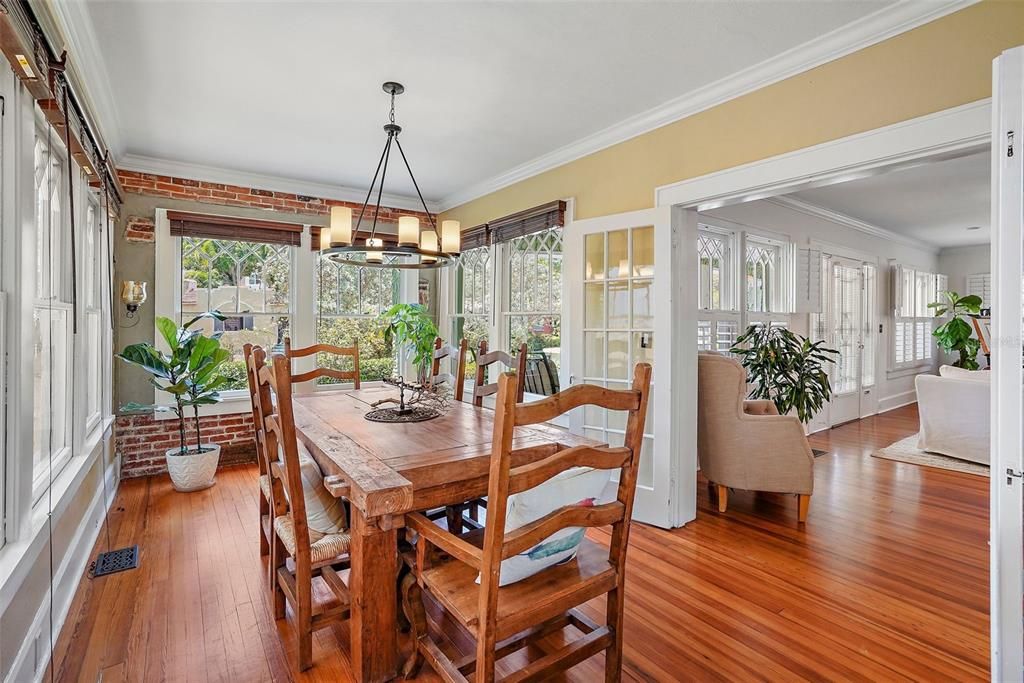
(309, 529)
(444, 352)
(320, 371)
(506, 613)
(485, 359)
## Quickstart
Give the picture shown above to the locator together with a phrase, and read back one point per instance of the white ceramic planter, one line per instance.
(193, 472)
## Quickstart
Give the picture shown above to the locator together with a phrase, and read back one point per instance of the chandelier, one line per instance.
(413, 248)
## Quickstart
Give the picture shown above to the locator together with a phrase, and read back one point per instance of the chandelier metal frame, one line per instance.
(389, 255)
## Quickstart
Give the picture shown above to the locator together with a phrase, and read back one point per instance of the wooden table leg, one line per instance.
(374, 601)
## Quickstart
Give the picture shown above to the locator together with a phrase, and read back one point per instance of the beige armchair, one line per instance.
(746, 444)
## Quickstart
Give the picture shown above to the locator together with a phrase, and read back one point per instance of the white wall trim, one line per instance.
(88, 68)
(904, 398)
(851, 222)
(72, 566)
(869, 30)
(949, 133)
(216, 174)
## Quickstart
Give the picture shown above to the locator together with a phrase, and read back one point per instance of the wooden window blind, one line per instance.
(208, 226)
(527, 222)
(387, 239)
(478, 236)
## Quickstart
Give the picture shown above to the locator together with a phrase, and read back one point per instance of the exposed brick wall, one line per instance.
(236, 195)
(142, 441)
(140, 229)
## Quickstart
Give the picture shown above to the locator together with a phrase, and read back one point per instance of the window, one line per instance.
(762, 271)
(912, 328)
(351, 300)
(506, 288)
(92, 290)
(249, 283)
(980, 285)
(51, 319)
(472, 300)
(534, 314)
(718, 324)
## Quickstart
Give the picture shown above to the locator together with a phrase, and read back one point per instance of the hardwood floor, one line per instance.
(887, 581)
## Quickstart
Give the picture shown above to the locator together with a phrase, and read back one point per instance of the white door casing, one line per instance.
(1007, 414)
(621, 309)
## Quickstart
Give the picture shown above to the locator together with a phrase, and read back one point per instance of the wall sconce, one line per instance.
(133, 295)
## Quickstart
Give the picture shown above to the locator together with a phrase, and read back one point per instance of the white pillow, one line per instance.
(325, 514)
(580, 486)
(954, 372)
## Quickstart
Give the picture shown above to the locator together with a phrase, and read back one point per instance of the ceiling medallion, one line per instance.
(414, 248)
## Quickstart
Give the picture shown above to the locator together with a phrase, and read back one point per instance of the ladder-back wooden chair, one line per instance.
(506, 618)
(266, 494)
(485, 359)
(319, 371)
(444, 352)
(313, 553)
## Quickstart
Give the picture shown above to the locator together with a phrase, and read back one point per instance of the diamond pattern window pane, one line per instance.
(711, 263)
(761, 265)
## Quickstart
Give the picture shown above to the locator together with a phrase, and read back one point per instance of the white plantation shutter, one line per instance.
(808, 281)
(913, 320)
(980, 284)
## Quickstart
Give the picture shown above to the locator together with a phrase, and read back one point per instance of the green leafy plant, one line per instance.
(786, 368)
(189, 373)
(410, 327)
(954, 335)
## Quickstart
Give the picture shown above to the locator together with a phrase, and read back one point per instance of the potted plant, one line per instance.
(786, 368)
(410, 326)
(190, 374)
(954, 335)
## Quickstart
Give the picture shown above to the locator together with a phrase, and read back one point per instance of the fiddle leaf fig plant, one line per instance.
(954, 335)
(189, 372)
(786, 368)
(410, 327)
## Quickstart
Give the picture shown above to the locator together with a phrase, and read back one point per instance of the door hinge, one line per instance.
(1009, 143)
(1011, 473)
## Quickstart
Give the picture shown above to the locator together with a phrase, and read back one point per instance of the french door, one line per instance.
(1007, 414)
(619, 285)
(849, 323)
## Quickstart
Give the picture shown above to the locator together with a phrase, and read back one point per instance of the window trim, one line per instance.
(899, 307)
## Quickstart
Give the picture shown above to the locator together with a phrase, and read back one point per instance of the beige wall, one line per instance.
(940, 65)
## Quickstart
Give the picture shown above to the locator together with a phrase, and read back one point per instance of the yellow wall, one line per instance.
(942, 64)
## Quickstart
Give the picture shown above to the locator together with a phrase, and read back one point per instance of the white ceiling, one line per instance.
(292, 89)
(934, 202)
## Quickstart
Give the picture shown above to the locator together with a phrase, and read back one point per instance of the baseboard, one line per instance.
(897, 401)
(32, 659)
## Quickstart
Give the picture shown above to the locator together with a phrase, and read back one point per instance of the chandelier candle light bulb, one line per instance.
(450, 237)
(428, 242)
(341, 226)
(373, 256)
(408, 231)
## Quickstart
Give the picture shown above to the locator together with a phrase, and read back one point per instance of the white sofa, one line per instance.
(954, 411)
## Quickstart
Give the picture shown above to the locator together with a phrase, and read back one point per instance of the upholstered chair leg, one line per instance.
(723, 498)
(412, 606)
(803, 504)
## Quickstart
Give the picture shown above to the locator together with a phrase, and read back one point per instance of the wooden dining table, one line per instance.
(388, 469)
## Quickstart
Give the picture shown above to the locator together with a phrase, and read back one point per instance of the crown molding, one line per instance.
(851, 222)
(88, 69)
(214, 174)
(869, 30)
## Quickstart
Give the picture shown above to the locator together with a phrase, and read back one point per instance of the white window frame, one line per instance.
(302, 299)
(913, 315)
(58, 298)
(499, 313)
(716, 322)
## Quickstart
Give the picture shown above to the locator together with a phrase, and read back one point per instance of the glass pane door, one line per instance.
(618, 327)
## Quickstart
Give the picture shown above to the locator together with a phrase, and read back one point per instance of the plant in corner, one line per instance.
(189, 373)
(954, 335)
(786, 368)
(410, 326)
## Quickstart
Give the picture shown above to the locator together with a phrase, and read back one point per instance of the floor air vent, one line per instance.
(116, 561)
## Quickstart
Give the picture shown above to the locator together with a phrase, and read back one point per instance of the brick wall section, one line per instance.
(139, 229)
(236, 195)
(142, 441)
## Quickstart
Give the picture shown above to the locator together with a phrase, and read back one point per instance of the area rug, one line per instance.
(906, 450)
